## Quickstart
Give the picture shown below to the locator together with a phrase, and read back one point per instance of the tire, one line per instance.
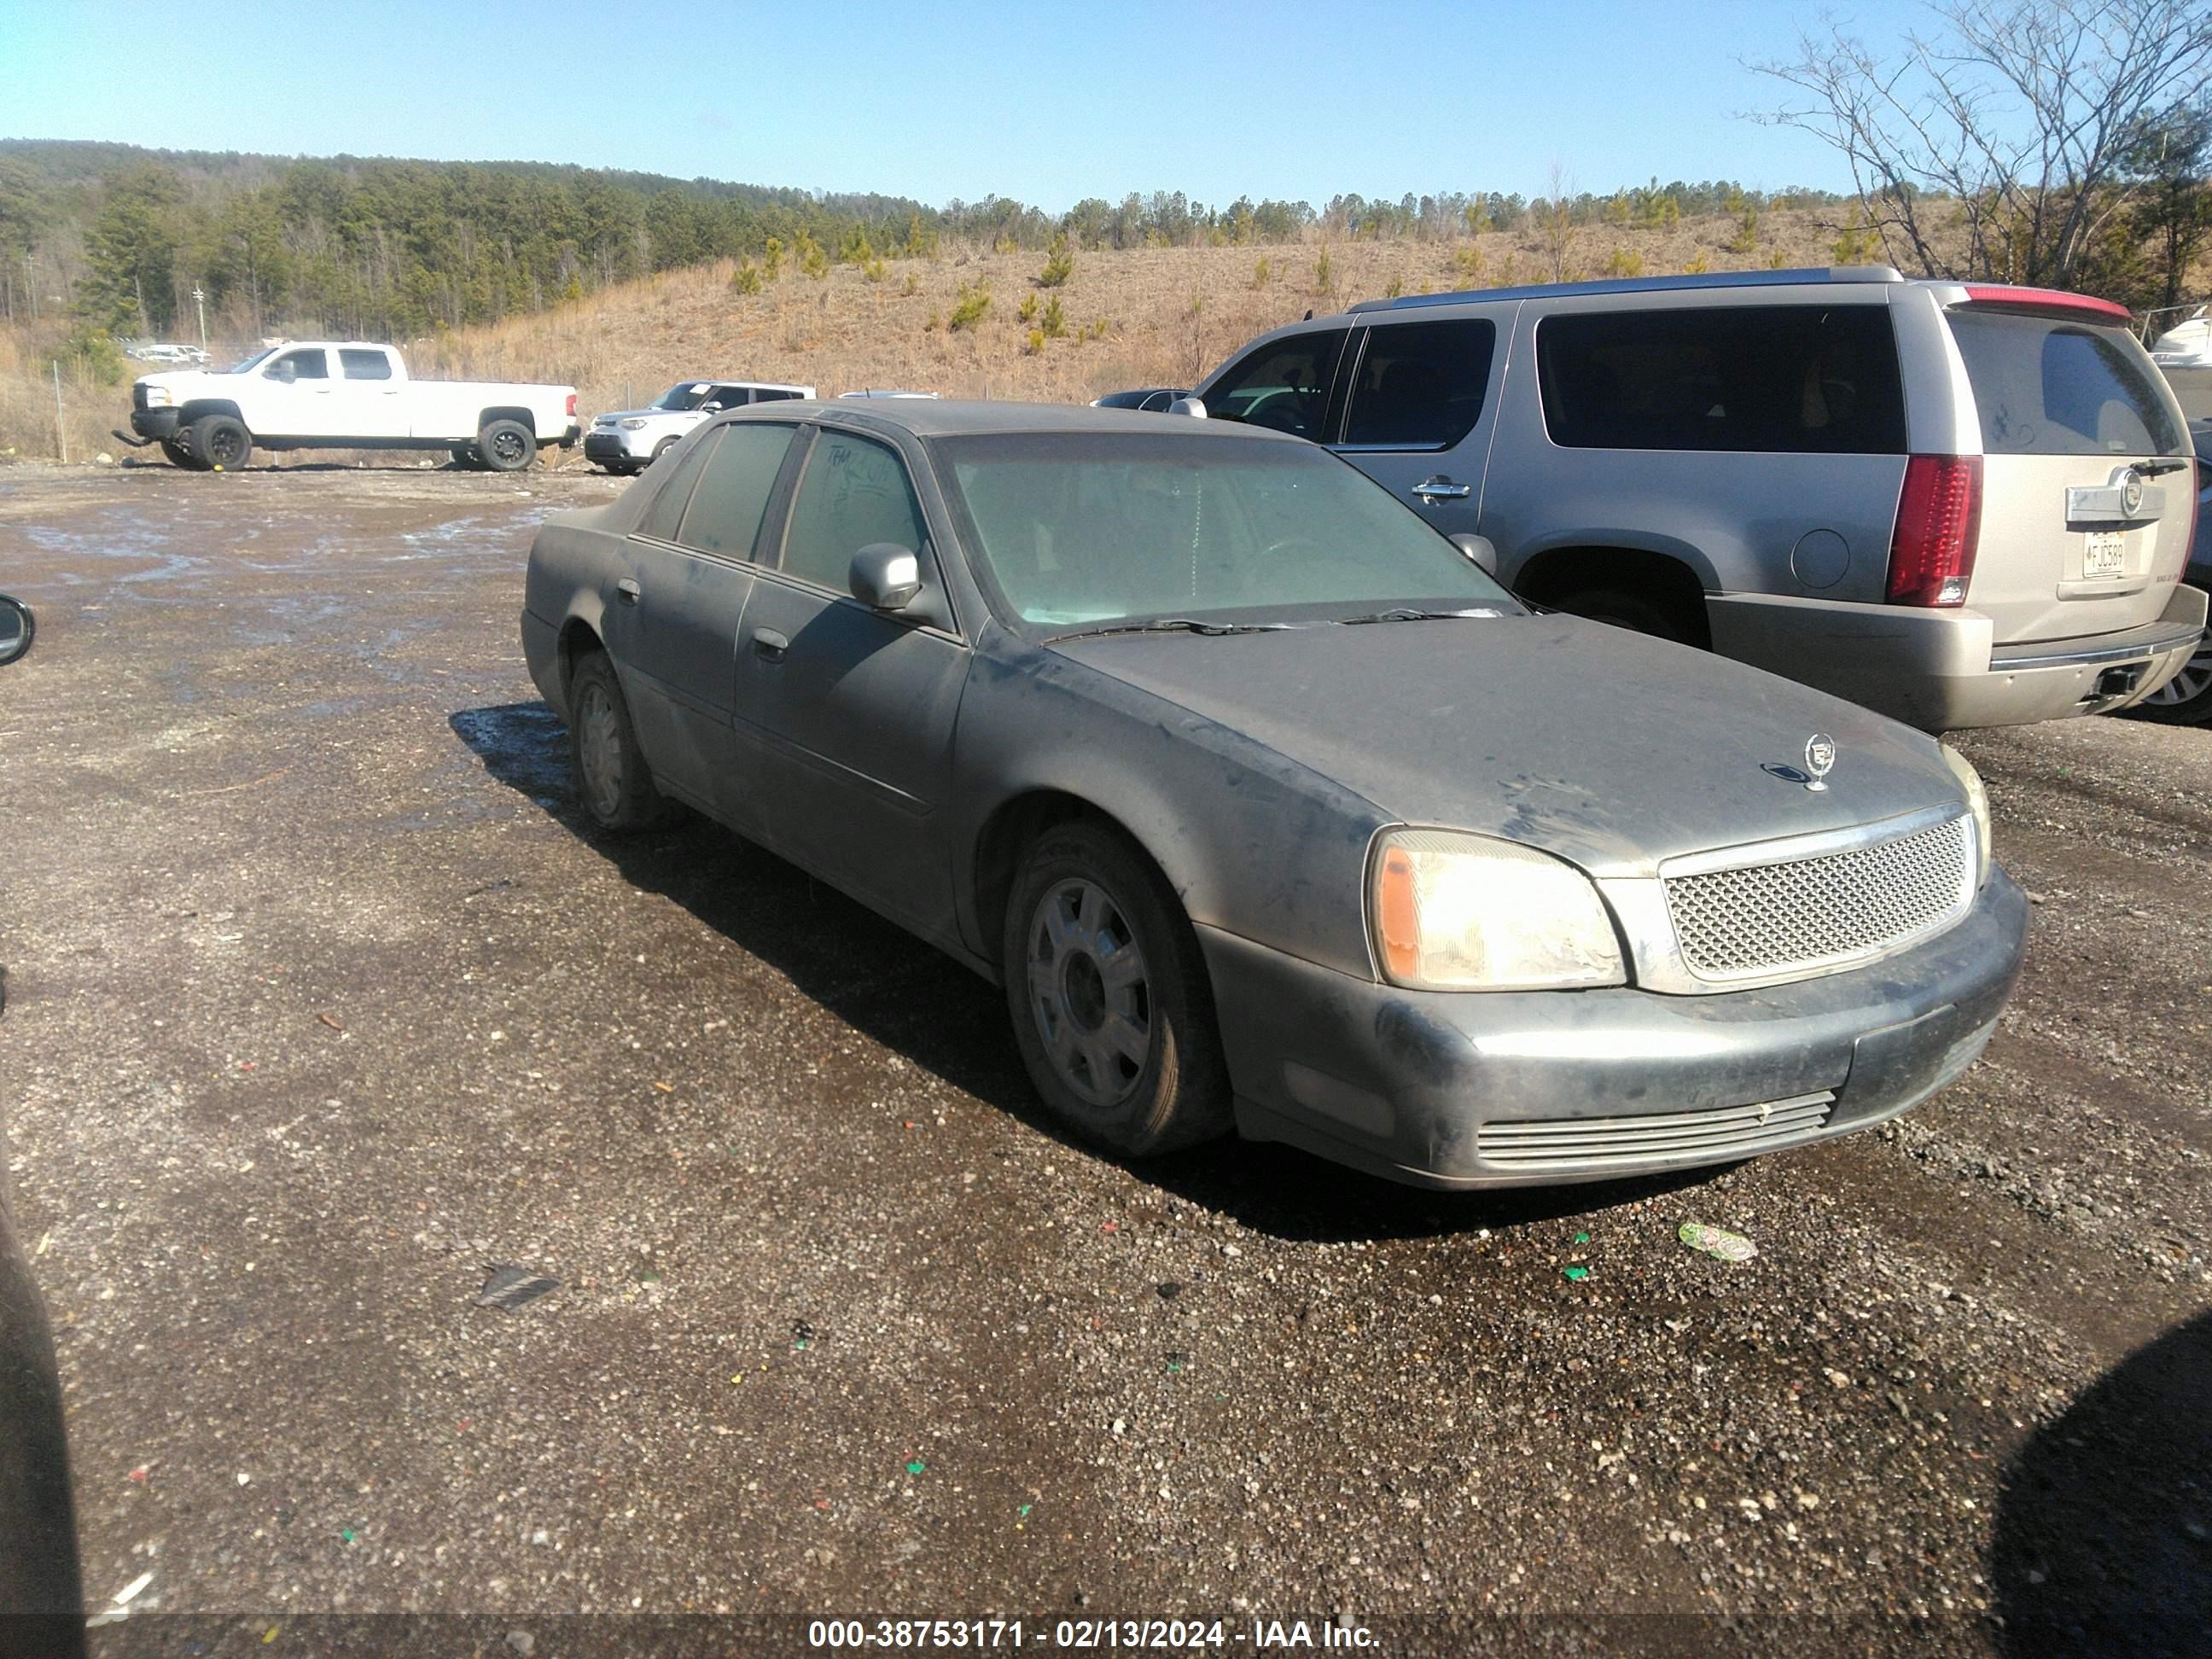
(221, 443)
(1635, 611)
(612, 777)
(180, 453)
(506, 445)
(661, 449)
(1161, 1084)
(2186, 699)
(465, 455)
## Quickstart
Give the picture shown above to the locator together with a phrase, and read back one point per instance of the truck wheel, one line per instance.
(612, 778)
(178, 454)
(506, 445)
(466, 455)
(221, 443)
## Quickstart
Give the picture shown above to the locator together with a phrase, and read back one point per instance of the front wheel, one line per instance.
(1112, 1010)
(221, 443)
(612, 778)
(180, 453)
(661, 449)
(2186, 699)
(506, 445)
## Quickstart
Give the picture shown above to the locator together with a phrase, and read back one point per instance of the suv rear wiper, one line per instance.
(1173, 625)
(2153, 469)
(1408, 613)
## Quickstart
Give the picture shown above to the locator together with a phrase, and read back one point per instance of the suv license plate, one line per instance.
(2107, 554)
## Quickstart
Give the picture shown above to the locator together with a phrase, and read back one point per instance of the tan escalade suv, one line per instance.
(1958, 504)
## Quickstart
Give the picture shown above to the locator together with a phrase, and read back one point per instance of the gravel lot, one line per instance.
(321, 1006)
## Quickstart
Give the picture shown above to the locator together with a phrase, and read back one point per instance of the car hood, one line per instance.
(649, 415)
(1604, 747)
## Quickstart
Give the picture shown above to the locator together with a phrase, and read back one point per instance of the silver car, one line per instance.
(1958, 504)
(1267, 806)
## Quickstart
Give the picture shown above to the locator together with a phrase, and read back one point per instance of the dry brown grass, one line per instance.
(1143, 317)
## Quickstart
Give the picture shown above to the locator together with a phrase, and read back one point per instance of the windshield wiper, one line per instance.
(1408, 613)
(1172, 625)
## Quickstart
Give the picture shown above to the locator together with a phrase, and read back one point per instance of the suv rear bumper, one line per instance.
(1941, 669)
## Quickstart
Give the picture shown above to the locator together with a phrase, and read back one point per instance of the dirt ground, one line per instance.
(322, 1005)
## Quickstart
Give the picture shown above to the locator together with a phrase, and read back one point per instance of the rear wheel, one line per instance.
(1656, 617)
(221, 443)
(612, 778)
(506, 445)
(2186, 699)
(1112, 1009)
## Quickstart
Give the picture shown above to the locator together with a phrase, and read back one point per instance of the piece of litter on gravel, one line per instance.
(1577, 1274)
(509, 1288)
(1170, 1290)
(1175, 1362)
(129, 1592)
(328, 1021)
(801, 1333)
(346, 1532)
(916, 1466)
(243, 1479)
(1581, 1238)
(1716, 1241)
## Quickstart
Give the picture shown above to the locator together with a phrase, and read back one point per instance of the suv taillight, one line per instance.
(572, 403)
(1939, 523)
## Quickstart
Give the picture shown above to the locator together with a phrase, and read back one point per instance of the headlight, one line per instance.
(633, 424)
(1456, 912)
(1978, 799)
(159, 397)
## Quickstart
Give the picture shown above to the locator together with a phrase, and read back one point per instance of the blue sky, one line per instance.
(1046, 103)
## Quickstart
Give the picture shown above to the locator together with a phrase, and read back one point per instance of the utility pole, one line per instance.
(61, 426)
(199, 302)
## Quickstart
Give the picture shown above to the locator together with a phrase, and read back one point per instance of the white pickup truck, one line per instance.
(344, 394)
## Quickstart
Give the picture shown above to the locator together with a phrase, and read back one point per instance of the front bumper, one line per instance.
(158, 424)
(1490, 1089)
(605, 444)
(1941, 671)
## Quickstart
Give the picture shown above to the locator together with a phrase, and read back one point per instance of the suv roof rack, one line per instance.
(1647, 285)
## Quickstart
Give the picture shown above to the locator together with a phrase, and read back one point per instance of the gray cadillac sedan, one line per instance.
(1265, 803)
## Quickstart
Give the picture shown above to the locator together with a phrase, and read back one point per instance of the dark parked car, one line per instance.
(1153, 400)
(1265, 803)
(41, 1600)
(2186, 699)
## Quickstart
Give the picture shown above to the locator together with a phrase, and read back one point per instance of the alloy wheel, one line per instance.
(1089, 992)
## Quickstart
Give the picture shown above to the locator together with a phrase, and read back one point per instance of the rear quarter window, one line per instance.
(1773, 379)
(2046, 386)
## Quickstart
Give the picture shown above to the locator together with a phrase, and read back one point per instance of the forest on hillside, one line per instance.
(118, 238)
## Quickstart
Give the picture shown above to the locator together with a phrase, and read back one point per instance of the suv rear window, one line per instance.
(1420, 385)
(2044, 387)
(1774, 379)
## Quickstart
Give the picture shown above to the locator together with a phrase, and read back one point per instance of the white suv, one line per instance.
(633, 439)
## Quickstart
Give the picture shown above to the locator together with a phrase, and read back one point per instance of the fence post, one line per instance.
(60, 422)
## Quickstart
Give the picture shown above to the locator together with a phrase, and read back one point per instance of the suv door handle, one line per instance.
(767, 642)
(628, 592)
(1441, 489)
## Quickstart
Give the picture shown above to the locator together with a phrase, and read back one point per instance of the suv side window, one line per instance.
(730, 397)
(365, 365)
(725, 512)
(1776, 380)
(1283, 386)
(854, 492)
(1420, 385)
(666, 512)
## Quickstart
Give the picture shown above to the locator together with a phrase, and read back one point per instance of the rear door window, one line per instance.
(1283, 386)
(1775, 379)
(1420, 385)
(725, 512)
(365, 365)
(2045, 387)
(666, 512)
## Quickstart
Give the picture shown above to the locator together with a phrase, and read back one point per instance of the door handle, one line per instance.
(767, 642)
(1441, 489)
(628, 591)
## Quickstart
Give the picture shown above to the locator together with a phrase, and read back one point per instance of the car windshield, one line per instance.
(1082, 530)
(247, 366)
(690, 395)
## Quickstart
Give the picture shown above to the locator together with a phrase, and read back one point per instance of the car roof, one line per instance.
(948, 418)
(1789, 277)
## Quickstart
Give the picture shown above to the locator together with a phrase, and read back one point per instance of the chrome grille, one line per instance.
(1720, 1132)
(1836, 907)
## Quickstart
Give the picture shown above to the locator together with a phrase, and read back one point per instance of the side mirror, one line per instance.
(1194, 407)
(1478, 551)
(710, 409)
(885, 576)
(17, 626)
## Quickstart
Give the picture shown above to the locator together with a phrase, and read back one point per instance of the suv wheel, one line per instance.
(2186, 699)
(1633, 610)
